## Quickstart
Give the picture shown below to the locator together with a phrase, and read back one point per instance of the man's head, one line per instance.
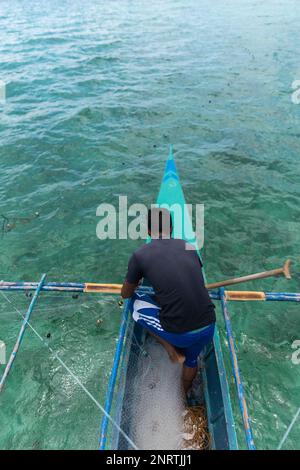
(159, 223)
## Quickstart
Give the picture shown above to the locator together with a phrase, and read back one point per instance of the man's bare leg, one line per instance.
(188, 375)
(174, 354)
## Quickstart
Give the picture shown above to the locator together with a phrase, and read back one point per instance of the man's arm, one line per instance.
(133, 276)
(128, 289)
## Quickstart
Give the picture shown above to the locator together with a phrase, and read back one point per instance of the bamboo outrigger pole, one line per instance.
(241, 295)
(238, 295)
(237, 374)
(97, 288)
(21, 333)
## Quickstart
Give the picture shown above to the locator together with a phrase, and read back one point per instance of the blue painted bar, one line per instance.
(46, 288)
(214, 295)
(236, 373)
(113, 375)
(80, 287)
(283, 296)
(269, 296)
(58, 287)
(21, 333)
(35, 284)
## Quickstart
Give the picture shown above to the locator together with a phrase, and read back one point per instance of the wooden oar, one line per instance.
(285, 270)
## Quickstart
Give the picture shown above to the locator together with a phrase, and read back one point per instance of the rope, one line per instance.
(76, 379)
(289, 429)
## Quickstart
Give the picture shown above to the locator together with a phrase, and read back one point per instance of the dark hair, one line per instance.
(159, 221)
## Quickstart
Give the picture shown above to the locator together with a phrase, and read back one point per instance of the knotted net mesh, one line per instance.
(150, 404)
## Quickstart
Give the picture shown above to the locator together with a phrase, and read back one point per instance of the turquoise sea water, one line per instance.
(95, 92)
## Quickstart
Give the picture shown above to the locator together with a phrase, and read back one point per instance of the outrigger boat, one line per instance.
(131, 337)
(116, 425)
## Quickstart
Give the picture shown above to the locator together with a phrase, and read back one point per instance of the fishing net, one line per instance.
(61, 370)
(148, 408)
(150, 405)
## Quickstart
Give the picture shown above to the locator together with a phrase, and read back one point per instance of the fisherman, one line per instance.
(181, 316)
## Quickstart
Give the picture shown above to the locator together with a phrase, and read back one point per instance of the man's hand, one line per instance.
(128, 289)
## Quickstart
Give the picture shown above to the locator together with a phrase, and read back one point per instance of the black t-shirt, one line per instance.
(176, 276)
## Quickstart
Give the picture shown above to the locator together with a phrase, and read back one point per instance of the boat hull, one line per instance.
(215, 390)
(131, 338)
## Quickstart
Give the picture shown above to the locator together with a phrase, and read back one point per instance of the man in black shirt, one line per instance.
(182, 315)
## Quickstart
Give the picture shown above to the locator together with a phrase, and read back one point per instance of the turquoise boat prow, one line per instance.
(132, 337)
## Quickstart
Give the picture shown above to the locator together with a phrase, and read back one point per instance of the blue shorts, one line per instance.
(146, 312)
